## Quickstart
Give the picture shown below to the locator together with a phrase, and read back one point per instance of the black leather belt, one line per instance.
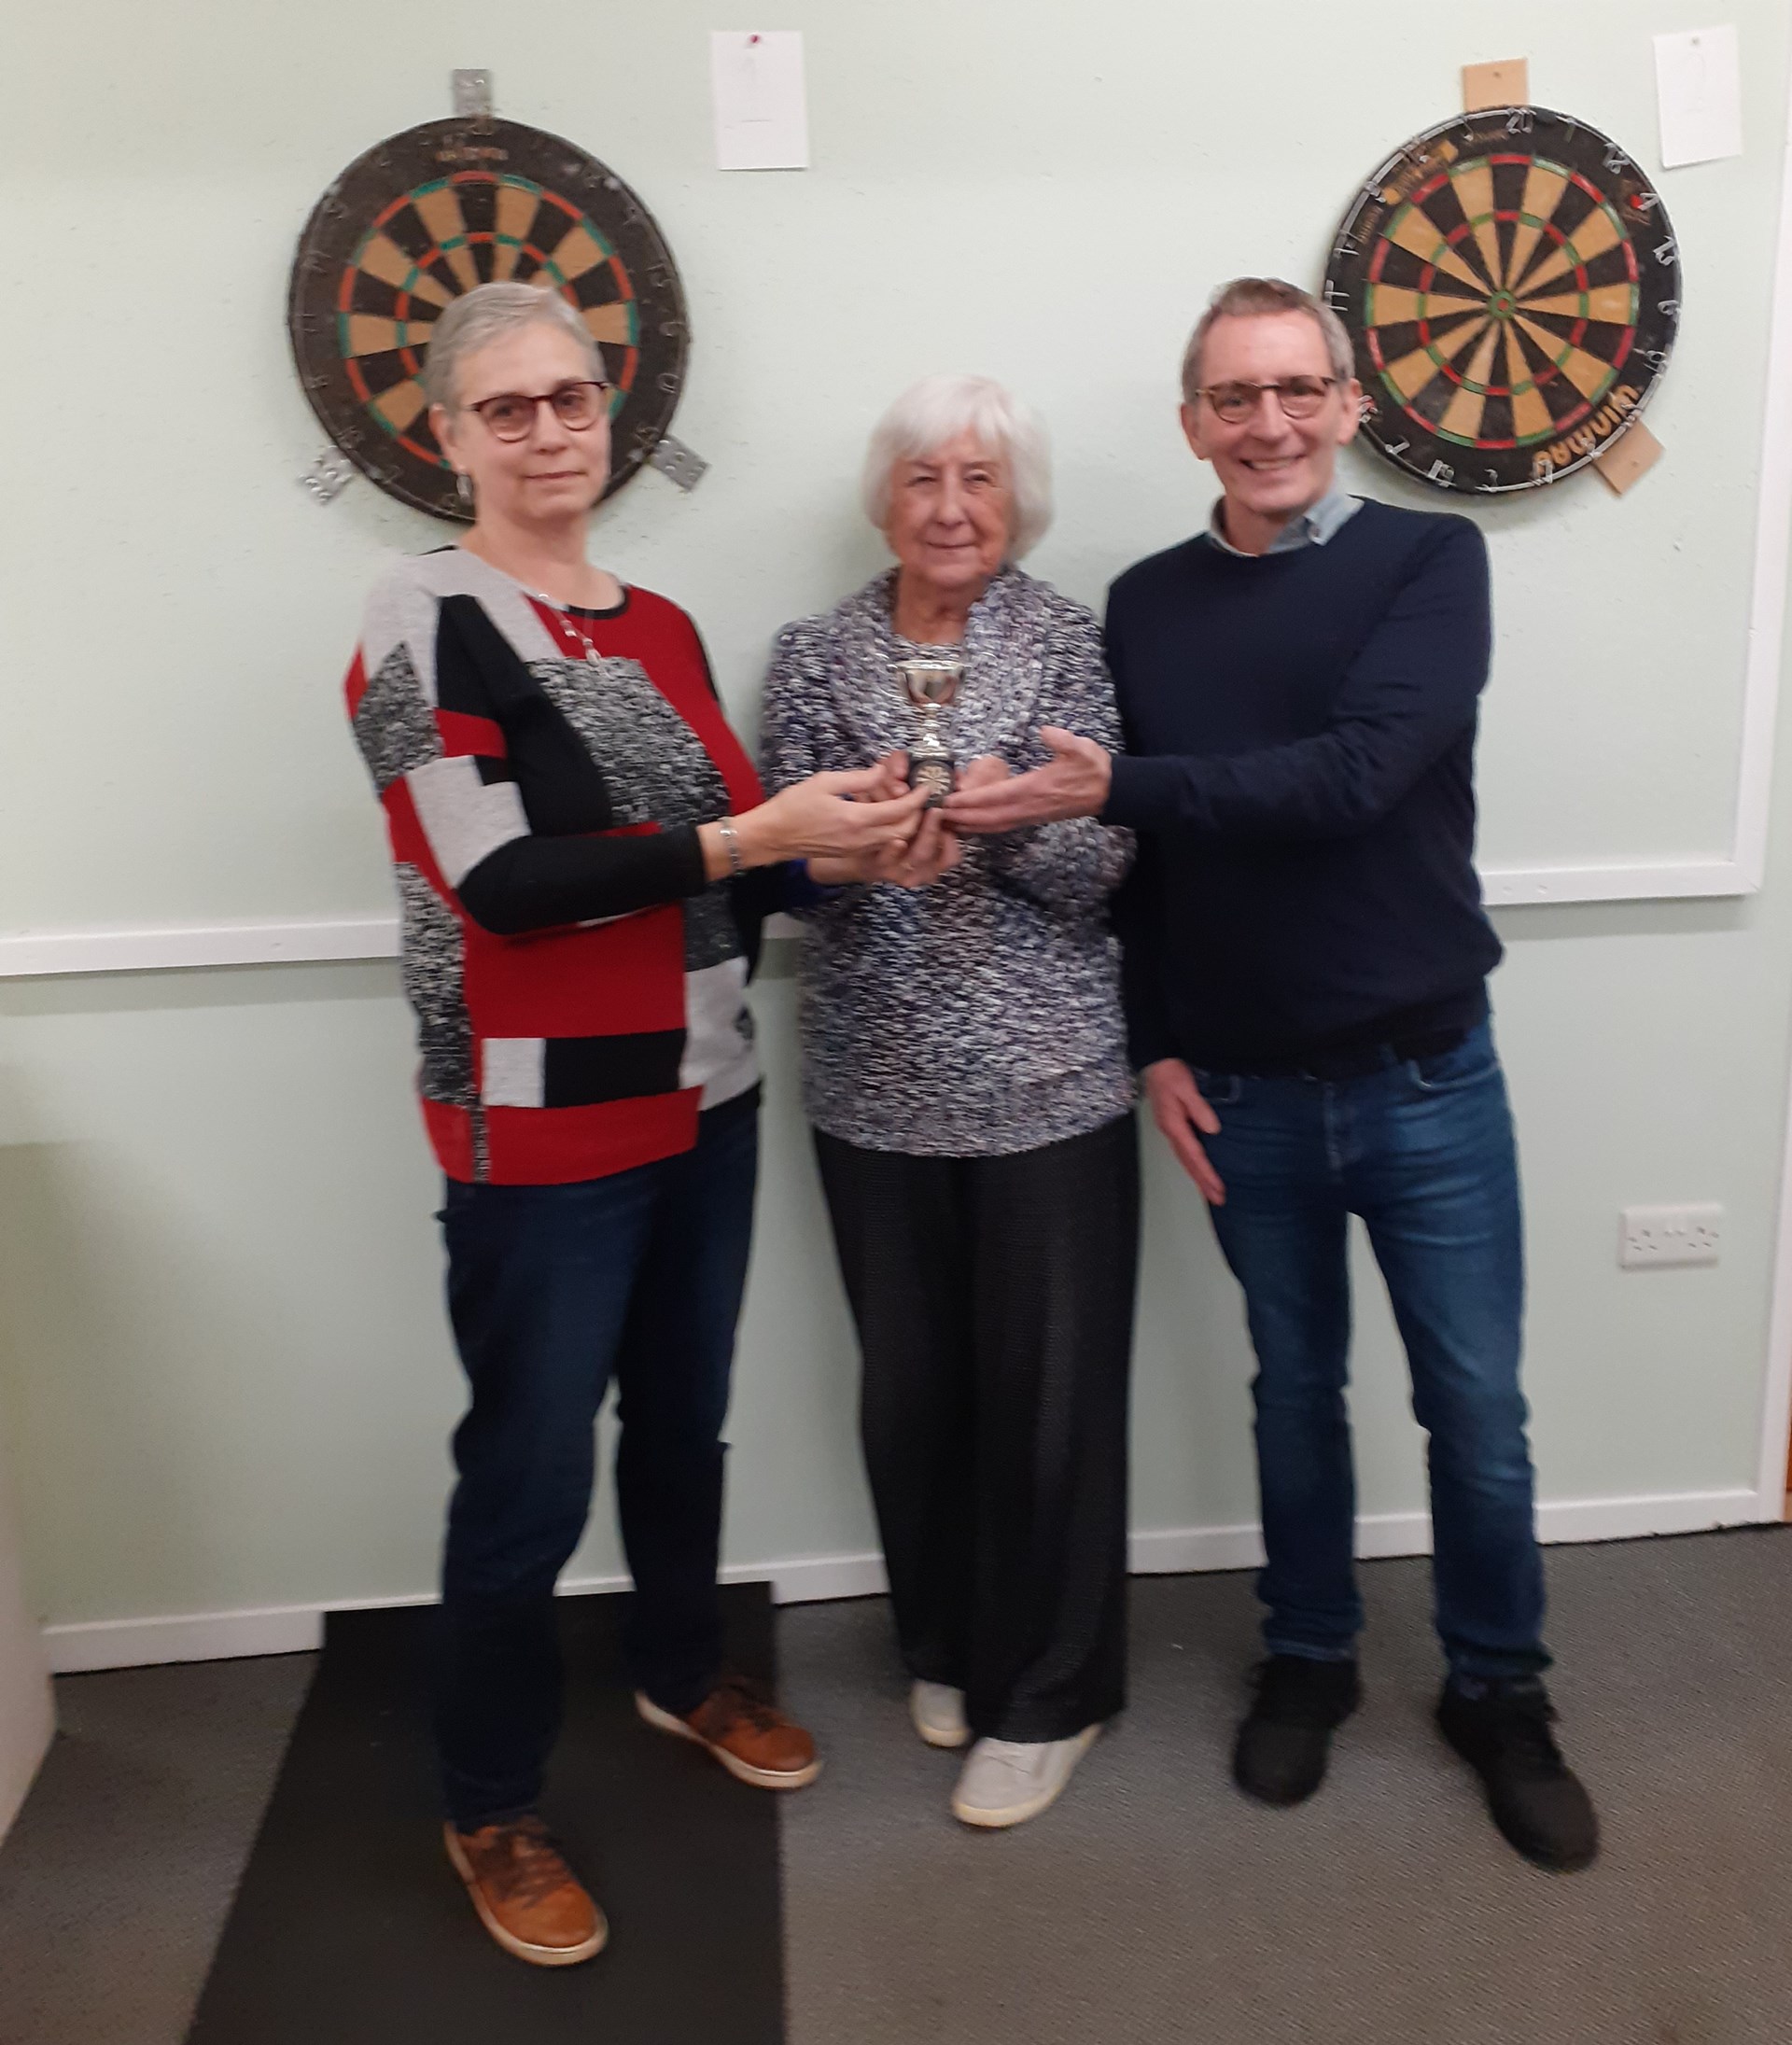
(1355, 1061)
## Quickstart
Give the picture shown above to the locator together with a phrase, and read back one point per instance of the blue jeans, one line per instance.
(1423, 1151)
(552, 1291)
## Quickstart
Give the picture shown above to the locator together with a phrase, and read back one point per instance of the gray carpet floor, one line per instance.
(114, 1880)
(1153, 1903)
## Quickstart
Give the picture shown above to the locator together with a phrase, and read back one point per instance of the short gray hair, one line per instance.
(485, 313)
(1251, 298)
(939, 409)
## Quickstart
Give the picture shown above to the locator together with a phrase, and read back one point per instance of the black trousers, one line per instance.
(993, 1299)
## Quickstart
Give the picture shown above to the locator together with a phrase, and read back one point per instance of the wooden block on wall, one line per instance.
(1506, 83)
(1629, 459)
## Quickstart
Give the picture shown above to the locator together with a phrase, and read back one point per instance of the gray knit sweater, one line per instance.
(981, 1014)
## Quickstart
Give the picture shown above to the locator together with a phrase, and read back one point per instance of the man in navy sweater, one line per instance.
(1305, 958)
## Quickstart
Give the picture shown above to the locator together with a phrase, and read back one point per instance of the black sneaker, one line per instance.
(1280, 1757)
(1536, 1797)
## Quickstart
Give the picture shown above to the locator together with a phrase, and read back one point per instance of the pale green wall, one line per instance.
(223, 1370)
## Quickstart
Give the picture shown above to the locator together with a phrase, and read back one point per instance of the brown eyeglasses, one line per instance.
(1299, 396)
(510, 415)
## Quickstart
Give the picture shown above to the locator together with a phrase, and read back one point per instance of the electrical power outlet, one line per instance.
(1670, 1235)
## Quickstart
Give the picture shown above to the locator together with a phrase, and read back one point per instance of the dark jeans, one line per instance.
(993, 1300)
(1423, 1151)
(554, 1290)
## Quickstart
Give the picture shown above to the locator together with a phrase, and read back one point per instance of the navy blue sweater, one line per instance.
(1299, 764)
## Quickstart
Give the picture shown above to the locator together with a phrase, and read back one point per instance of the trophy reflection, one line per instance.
(930, 686)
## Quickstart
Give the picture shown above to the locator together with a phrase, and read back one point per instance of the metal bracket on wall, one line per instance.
(473, 94)
(683, 464)
(327, 477)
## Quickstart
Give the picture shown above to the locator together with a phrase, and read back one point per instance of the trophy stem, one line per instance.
(929, 686)
(930, 763)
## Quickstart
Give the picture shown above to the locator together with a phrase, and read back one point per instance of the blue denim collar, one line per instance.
(1312, 527)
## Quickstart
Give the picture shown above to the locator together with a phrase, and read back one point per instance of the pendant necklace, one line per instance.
(573, 625)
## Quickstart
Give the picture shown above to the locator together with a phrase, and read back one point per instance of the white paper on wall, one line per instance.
(1698, 88)
(762, 114)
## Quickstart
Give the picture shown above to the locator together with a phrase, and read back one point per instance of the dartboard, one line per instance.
(1512, 288)
(431, 212)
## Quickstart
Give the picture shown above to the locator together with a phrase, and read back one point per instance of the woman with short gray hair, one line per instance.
(583, 858)
(965, 1071)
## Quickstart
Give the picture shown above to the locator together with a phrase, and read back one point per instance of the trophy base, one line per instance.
(932, 771)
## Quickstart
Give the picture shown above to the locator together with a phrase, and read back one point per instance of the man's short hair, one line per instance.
(1251, 298)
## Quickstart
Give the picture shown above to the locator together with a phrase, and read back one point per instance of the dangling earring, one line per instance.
(464, 483)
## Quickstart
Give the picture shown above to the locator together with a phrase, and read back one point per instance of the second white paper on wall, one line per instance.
(1699, 87)
(761, 108)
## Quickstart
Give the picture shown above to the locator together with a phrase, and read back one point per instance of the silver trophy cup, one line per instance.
(930, 686)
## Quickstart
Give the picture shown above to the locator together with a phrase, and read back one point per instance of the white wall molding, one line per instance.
(175, 947)
(295, 1629)
(1772, 554)
(185, 948)
(26, 955)
(1777, 1394)
(1505, 886)
(1776, 1398)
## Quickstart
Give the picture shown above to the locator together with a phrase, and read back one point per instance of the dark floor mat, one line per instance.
(350, 1926)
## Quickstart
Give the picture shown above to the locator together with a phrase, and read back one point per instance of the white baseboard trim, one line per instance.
(192, 1636)
(1570, 1520)
(295, 1629)
(810, 1579)
(1187, 1550)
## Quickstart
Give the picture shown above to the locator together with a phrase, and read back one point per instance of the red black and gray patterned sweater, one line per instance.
(578, 985)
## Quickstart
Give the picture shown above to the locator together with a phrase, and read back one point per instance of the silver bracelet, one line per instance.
(731, 842)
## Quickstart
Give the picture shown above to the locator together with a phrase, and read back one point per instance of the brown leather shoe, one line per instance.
(746, 1732)
(527, 1896)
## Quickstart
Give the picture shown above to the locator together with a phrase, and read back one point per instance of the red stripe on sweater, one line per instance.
(451, 1137)
(408, 845)
(684, 682)
(461, 734)
(610, 980)
(355, 686)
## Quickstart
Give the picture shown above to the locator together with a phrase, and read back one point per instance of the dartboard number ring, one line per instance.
(1511, 286)
(427, 214)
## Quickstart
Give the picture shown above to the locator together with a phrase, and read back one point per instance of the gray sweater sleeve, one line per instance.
(795, 711)
(1071, 867)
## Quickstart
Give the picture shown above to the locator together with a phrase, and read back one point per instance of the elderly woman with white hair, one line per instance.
(584, 856)
(964, 1067)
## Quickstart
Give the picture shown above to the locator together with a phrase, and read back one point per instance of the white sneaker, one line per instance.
(1006, 1782)
(938, 1712)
